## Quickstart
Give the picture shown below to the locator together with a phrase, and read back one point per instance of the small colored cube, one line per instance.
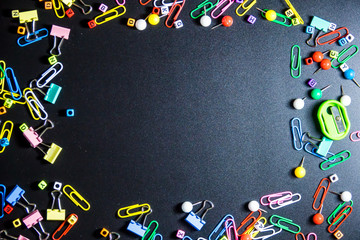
(344, 67)
(251, 19)
(289, 13)
(334, 178)
(338, 234)
(310, 29)
(15, 13)
(178, 24)
(72, 220)
(334, 54)
(69, 13)
(295, 21)
(342, 41)
(92, 24)
(309, 61)
(17, 223)
(8, 103)
(349, 38)
(8, 209)
(332, 26)
(103, 7)
(164, 10)
(4, 142)
(104, 232)
(131, 22)
(23, 127)
(42, 185)
(57, 186)
(48, 5)
(21, 30)
(180, 234)
(2, 110)
(156, 10)
(312, 82)
(52, 60)
(70, 112)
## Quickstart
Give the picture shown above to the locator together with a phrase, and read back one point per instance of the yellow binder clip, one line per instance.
(55, 214)
(57, 8)
(294, 11)
(84, 207)
(144, 208)
(114, 12)
(5, 135)
(28, 16)
(52, 153)
(246, 8)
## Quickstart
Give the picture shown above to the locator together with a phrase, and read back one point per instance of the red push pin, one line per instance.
(318, 218)
(325, 64)
(318, 56)
(227, 21)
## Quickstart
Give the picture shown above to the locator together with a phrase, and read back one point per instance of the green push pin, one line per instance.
(316, 93)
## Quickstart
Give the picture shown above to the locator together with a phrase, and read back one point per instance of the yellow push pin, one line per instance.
(270, 15)
(300, 171)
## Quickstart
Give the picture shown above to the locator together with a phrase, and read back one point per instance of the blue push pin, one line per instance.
(350, 75)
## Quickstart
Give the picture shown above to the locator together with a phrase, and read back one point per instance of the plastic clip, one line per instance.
(308, 237)
(260, 228)
(123, 2)
(143, 3)
(194, 220)
(297, 67)
(343, 215)
(169, 22)
(347, 58)
(5, 133)
(284, 227)
(317, 192)
(296, 132)
(70, 221)
(114, 12)
(144, 208)
(58, 8)
(275, 198)
(40, 34)
(219, 228)
(230, 224)
(246, 8)
(355, 139)
(84, 207)
(10, 75)
(34, 105)
(246, 220)
(335, 157)
(55, 214)
(223, 5)
(49, 74)
(202, 7)
(294, 11)
(150, 234)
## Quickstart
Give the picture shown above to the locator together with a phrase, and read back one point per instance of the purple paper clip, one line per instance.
(123, 2)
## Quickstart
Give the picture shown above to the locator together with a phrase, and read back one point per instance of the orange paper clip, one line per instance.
(179, 7)
(346, 211)
(71, 220)
(144, 3)
(246, 220)
(317, 192)
(331, 41)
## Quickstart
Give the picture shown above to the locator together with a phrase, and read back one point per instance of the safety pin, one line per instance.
(246, 220)
(298, 65)
(316, 195)
(123, 2)
(57, 8)
(357, 133)
(281, 196)
(22, 42)
(16, 85)
(347, 58)
(143, 3)
(82, 8)
(79, 197)
(281, 16)
(5, 234)
(34, 105)
(171, 11)
(337, 209)
(246, 8)
(333, 40)
(71, 220)
(52, 72)
(294, 11)
(285, 220)
(114, 11)
(219, 226)
(296, 132)
(127, 209)
(202, 8)
(153, 233)
(265, 229)
(6, 132)
(2, 199)
(282, 203)
(336, 156)
(230, 224)
(344, 214)
(223, 9)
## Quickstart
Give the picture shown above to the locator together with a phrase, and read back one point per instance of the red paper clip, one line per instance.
(246, 220)
(172, 9)
(343, 214)
(143, 3)
(71, 220)
(316, 195)
(331, 41)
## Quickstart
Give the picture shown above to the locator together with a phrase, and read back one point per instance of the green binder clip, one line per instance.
(333, 119)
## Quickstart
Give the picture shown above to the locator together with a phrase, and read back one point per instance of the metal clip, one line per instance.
(142, 3)
(317, 192)
(202, 7)
(261, 229)
(34, 218)
(112, 234)
(113, 11)
(49, 74)
(145, 208)
(169, 22)
(43, 32)
(71, 220)
(60, 32)
(26, 17)
(223, 5)
(219, 228)
(336, 211)
(57, 214)
(281, 196)
(343, 214)
(355, 139)
(9, 74)
(296, 133)
(246, 8)
(335, 157)
(3, 234)
(123, 2)
(347, 58)
(285, 220)
(230, 224)
(315, 40)
(137, 228)
(194, 220)
(83, 8)
(296, 68)
(78, 197)
(247, 219)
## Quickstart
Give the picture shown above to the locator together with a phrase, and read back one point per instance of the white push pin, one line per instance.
(140, 24)
(187, 207)
(345, 196)
(205, 20)
(254, 206)
(299, 103)
(345, 99)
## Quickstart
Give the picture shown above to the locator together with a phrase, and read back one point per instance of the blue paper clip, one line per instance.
(8, 80)
(137, 228)
(220, 228)
(151, 232)
(186, 237)
(296, 132)
(22, 42)
(2, 199)
(194, 220)
(158, 235)
(312, 151)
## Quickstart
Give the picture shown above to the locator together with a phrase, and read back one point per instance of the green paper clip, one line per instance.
(333, 119)
(336, 156)
(283, 17)
(347, 58)
(297, 68)
(204, 9)
(285, 220)
(151, 237)
(337, 209)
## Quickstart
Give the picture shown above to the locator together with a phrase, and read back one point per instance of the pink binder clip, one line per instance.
(32, 137)
(35, 218)
(60, 32)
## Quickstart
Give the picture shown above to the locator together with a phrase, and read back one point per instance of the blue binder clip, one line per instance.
(138, 228)
(14, 197)
(2, 200)
(193, 219)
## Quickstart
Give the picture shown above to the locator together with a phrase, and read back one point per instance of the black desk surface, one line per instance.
(164, 116)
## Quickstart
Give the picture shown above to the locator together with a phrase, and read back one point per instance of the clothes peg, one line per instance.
(325, 64)
(316, 93)
(254, 206)
(318, 218)
(299, 103)
(344, 99)
(350, 75)
(270, 15)
(226, 21)
(345, 196)
(205, 19)
(300, 171)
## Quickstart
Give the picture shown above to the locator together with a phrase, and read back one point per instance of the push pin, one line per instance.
(318, 56)
(254, 206)
(227, 21)
(192, 218)
(318, 218)
(140, 24)
(316, 93)
(345, 196)
(344, 99)
(300, 171)
(270, 15)
(299, 103)
(350, 75)
(325, 64)
(205, 20)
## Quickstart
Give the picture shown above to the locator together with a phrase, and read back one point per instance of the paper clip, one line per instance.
(43, 32)
(2, 75)
(284, 19)
(137, 228)
(296, 68)
(347, 58)
(312, 151)
(333, 40)
(296, 133)
(336, 156)
(83, 8)
(2, 199)
(202, 7)
(261, 229)
(355, 139)
(84, 207)
(165, 4)
(149, 232)
(230, 224)
(282, 203)
(169, 21)
(10, 75)
(3, 234)
(70, 221)
(307, 237)
(337, 209)
(55, 214)
(60, 32)
(34, 218)
(285, 220)
(112, 234)
(123, 2)
(223, 6)
(275, 198)
(219, 228)
(49, 74)
(34, 105)
(6, 132)
(143, 3)
(294, 11)
(58, 7)
(246, 8)
(114, 12)
(246, 220)
(317, 192)
(343, 215)
(144, 208)
(194, 220)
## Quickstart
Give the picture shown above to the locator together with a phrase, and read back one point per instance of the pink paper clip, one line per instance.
(284, 201)
(32, 137)
(171, 12)
(357, 138)
(275, 198)
(60, 32)
(223, 9)
(32, 219)
(230, 224)
(123, 2)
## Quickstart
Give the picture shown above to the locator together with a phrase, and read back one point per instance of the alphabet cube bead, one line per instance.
(17, 223)
(69, 13)
(8, 103)
(104, 232)
(164, 10)
(15, 13)
(251, 19)
(349, 38)
(334, 178)
(103, 7)
(4, 142)
(308, 61)
(289, 13)
(8, 209)
(52, 60)
(48, 5)
(295, 21)
(344, 67)
(21, 30)
(334, 54)
(338, 234)
(342, 41)
(92, 24)
(180, 234)
(2, 110)
(70, 112)
(310, 29)
(178, 24)
(332, 26)
(312, 83)
(42, 185)
(131, 22)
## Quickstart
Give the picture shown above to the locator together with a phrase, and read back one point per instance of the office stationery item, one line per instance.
(10, 80)
(300, 171)
(334, 213)
(324, 189)
(226, 21)
(220, 229)
(335, 160)
(221, 7)
(35, 218)
(244, 7)
(318, 218)
(350, 75)
(285, 201)
(58, 32)
(151, 231)
(4, 235)
(341, 59)
(270, 15)
(299, 103)
(174, 13)
(293, 10)
(2, 199)
(55, 214)
(36, 109)
(129, 210)
(203, 7)
(345, 196)
(287, 226)
(66, 225)
(296, 133)
(5, 134)
(75, 197)
(196, 221)
(109, 15)
(283, 20)
(340, 218)
(297, 60)
(250, 220)
(325, 64)
(324, 146)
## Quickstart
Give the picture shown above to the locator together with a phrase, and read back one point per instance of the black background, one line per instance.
(168, 115)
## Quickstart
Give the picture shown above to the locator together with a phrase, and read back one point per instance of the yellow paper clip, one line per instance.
(78, 196)
(246, 8)
(8, 132)
(294, 11)
(144, 208)
(58, 7)
(113, 10)
(252, 231)
(28, 16)
(2, 75)
(7, 94)
(34, 105)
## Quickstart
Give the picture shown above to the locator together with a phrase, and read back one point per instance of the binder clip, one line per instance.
(27, 17)
(35, 218)
(4, 235)
(69, 3)
(14, 198)
(193, 218)
(60, 32)
(138, 228)
(2, 200)
(55, 214)
(71, 220)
